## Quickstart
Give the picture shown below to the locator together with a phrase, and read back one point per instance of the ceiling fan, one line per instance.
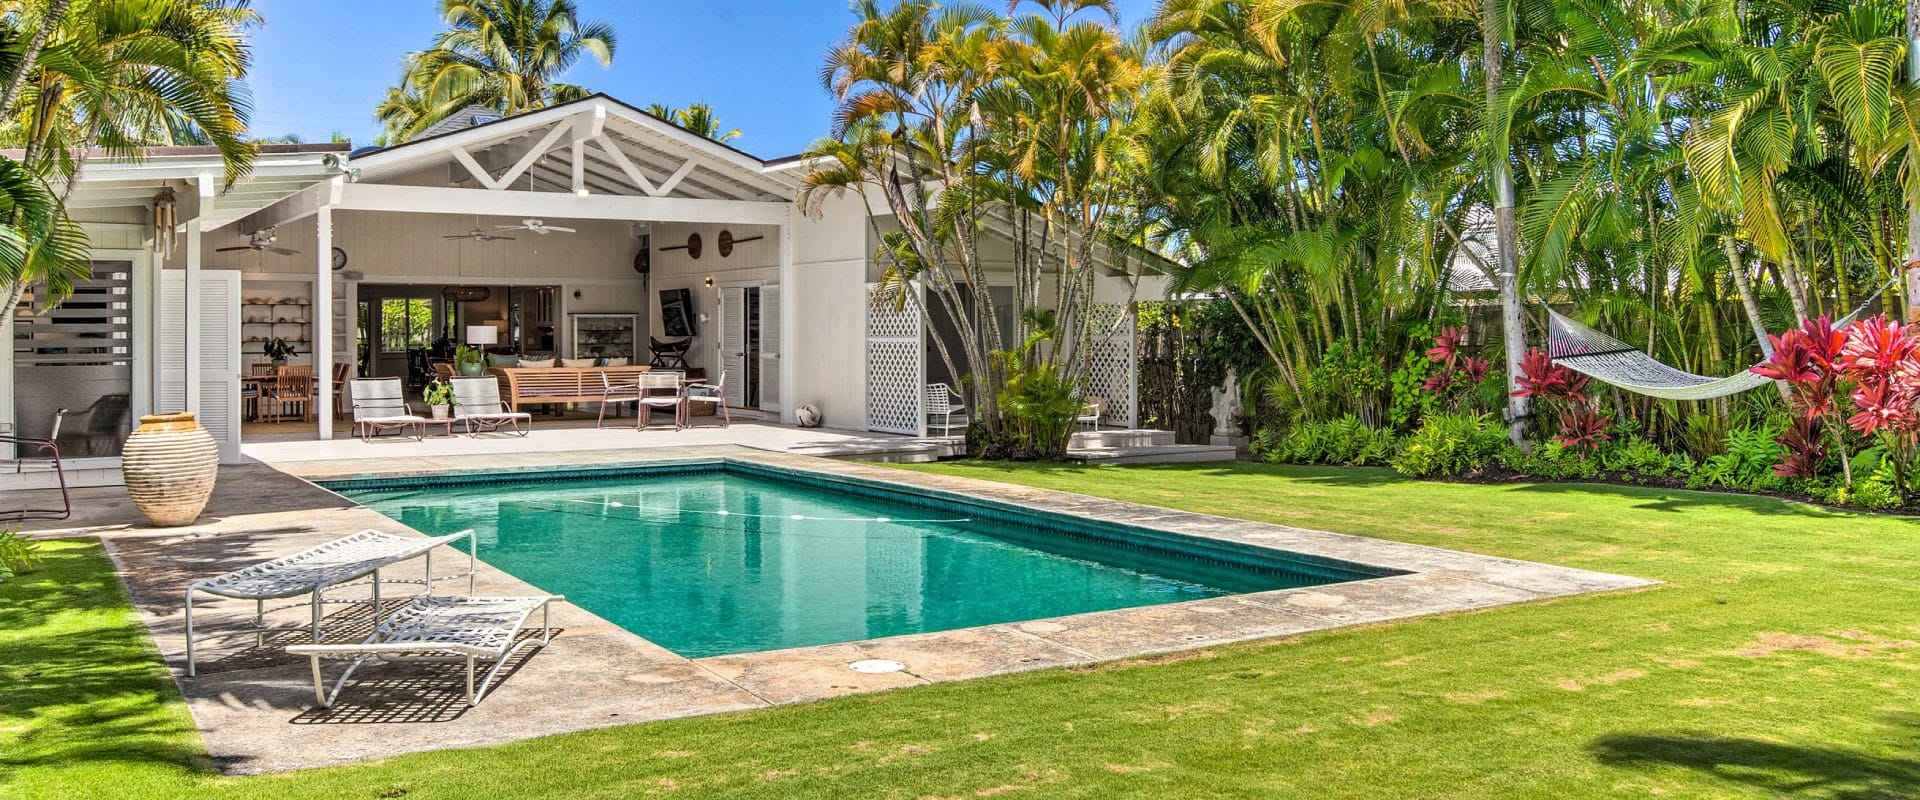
(535, 225)
(260, 241)
(478, 235)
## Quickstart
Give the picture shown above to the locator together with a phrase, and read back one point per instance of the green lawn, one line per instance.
(1779, 658)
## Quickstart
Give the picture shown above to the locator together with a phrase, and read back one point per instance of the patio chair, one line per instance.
(379, 404)
(703, 393)
(651, 384)
(476, 402)
(945, 404)
(1090, 413)
(670, 355)
(45, 449)
(292, 389)
(440, 629)
(612, 394)
(315, 570)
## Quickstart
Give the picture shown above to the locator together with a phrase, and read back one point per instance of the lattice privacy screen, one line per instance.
(896, 369)
(1112, 373)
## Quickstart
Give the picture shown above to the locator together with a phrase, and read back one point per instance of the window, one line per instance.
(405, 323)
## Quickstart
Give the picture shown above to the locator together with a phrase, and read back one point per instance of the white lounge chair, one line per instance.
(379, 404)
(612, 393)
(470, 629)
(476, 402)
(314, 571)
(944, 409)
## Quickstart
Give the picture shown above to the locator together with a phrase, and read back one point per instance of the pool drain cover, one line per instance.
(876, 666)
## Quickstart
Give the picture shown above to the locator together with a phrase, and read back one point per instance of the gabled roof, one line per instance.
(655, 147)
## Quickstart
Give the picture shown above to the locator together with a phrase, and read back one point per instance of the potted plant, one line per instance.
(279, 350)
(439, 398)
(469, 360)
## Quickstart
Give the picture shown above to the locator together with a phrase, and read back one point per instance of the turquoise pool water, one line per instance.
(707, 561)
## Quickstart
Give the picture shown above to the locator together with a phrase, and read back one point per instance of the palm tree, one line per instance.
(117, 75)
(506, 55)
(697, 118)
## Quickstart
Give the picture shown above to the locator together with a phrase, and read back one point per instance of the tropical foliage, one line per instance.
(508, 56)
(954, 121)
(106, 77)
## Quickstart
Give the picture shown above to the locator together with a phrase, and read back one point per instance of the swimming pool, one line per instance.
(728, 557)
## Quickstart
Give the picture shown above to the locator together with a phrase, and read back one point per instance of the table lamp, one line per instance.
(482, 335)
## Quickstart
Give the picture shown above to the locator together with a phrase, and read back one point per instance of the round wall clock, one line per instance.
(339, 259)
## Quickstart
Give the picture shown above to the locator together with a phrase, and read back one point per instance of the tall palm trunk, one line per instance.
(1913, 203)
(1513, 334)
(1743, 285)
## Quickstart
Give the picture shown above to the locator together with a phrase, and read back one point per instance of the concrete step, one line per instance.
(1156, 454)
(1091, 440)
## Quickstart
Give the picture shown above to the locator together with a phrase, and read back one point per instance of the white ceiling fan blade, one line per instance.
(509, 227)
(559, 229)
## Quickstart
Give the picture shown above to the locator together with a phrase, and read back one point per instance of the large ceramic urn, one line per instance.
(170, 463)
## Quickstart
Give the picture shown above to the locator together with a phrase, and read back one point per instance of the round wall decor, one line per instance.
(725, 243)
(693, 246)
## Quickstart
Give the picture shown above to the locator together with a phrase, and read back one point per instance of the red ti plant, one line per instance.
(1879, 357)
(1457, 370)
(1807, 359)
(1582, 426)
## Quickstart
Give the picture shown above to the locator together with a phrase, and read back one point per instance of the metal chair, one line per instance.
(612, 394)
(701, 392)
(49, 449)
(947, 404)
(379, 404)
(650, 384)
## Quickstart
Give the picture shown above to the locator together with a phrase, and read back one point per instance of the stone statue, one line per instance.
(1226, 406)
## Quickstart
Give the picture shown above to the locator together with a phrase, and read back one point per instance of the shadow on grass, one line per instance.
(1772, 767)
(1653, 498)
(80, 685)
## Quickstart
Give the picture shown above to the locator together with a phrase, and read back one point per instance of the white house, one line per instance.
(348, 255)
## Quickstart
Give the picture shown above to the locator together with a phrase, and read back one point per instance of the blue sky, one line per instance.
(320, 66)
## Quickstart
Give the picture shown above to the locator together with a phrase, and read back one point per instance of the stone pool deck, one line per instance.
(254, 706)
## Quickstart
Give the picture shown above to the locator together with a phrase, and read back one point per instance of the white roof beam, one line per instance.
(519, 168)
(546, 205)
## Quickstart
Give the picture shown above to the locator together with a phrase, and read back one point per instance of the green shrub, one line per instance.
(1747, 462)
(1343, 442)
(1872, 494)
(18, 554)
(1450, 444)
(1639, 456)
(1556, 461)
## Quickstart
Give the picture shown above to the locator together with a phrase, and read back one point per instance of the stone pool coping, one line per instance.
(254, 711)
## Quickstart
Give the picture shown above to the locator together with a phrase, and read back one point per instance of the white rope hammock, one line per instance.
(1597, 355)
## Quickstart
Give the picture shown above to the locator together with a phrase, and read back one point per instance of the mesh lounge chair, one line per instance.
(703, 393)
(945, 409)
(312, 572)
(380, 405)
(476, 402)
(651, 383)
(470, 629)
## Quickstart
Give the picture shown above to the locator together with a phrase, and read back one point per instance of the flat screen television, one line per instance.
(676, 312)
